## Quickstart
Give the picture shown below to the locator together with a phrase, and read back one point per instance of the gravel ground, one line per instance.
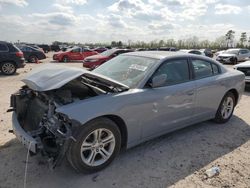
(179, 159)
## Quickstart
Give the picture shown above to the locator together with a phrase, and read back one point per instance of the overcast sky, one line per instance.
(44, 21)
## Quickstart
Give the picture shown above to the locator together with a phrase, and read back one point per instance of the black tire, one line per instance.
(8, 68)
(65, 59)
(219, 114)
(74, 152)
(235, 61)
(33, 59)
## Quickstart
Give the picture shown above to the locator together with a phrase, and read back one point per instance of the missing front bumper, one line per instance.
(28, 141)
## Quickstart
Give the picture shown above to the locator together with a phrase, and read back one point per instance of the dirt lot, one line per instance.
(178, 159)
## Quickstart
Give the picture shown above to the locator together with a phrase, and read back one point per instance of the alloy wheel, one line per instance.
(98, 147)
(8, 68)
(227, 107)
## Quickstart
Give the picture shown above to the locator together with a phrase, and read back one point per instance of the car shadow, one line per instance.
(160, 162)
(3, 75)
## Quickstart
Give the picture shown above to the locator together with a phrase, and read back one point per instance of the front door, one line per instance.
(171, 105)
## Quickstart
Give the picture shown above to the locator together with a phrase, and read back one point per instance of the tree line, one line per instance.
(223, 42)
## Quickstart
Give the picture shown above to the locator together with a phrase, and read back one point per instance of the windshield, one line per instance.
(231, 52)
(108, 52)
(129, 70)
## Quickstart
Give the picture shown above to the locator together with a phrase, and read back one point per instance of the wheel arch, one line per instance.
(235, 93)
(121, 125)
(7, 61)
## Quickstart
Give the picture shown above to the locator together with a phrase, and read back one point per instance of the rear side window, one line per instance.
(244, 51)
(3, 48)
(13, 48)
(177, 71)
(215, 69)
(203, 69)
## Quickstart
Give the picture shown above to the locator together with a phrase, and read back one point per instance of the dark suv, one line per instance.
(11, 58)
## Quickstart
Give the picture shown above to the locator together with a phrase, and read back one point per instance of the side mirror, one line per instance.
(158, 81)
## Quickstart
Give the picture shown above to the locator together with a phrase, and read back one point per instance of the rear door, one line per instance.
(4, 52)
(209, 88)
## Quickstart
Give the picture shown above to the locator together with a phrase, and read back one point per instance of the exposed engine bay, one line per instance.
(36, 114)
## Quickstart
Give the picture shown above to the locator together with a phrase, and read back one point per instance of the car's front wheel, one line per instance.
(97, 144)
(226, 108)
(8, 68)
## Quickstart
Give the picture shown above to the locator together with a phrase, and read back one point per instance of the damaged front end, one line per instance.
(37, 124)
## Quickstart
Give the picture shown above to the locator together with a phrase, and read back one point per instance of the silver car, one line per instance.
(91, 116)
(233, 55)
(245, 68)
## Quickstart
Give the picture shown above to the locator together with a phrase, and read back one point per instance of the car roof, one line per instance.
(160, 54)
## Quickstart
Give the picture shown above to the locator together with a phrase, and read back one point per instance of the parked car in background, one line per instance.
(35, 46)
(196, 52)
(219, 52)
(73, 54)
(167, 49)
(45, 47)
(96, 60)
(207, 52)
(100, 49)
(31, 54)
(233, 55)
(89, 117)
(55, 48)
(11, 58)
(245, 68)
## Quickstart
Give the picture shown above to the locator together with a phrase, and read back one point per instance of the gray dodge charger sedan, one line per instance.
(89, 117)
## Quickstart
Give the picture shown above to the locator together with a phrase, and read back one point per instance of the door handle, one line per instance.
(190, 93)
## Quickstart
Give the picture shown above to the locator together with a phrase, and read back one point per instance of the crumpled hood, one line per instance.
(48, 77)
(226, 55)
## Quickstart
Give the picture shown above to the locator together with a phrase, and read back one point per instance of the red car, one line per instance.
(96, 60)
(76, 53)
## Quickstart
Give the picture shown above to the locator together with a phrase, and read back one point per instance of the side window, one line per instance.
(29, 49)
(3, 48)
(202, 69)
(77, 50)
(244, 51)
(176, 71)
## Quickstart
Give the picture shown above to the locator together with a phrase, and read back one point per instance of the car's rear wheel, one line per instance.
(65, 59)
(97, 144)
(8, 68)
(226, 108)
(33, 59)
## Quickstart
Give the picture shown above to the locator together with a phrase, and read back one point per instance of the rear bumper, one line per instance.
(21, 63)
(27, 140)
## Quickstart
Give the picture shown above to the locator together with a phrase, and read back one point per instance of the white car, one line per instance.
(245, 68)
(197, 52)
(233, 55)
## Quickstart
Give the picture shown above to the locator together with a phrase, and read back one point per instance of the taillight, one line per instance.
(19, 54)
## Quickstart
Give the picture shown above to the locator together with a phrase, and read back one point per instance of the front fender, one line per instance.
(86, 110)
